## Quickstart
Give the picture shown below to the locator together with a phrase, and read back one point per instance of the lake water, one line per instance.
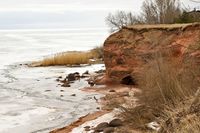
(31, 100)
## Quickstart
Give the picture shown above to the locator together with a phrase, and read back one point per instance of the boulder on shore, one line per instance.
(116, 123)
(101, 127)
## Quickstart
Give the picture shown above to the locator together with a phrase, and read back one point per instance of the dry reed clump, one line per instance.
(167, 82)
(164, 84)
(184, 118)
(97, 52)
(72, 58)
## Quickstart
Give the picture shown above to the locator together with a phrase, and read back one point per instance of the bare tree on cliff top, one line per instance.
(161, 11)
(153, 12)
(119, 19)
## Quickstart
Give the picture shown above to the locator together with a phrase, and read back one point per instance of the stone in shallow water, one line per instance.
(87, 128)
(86, 72)
(73, 95)
(66, 85)
(73, 76)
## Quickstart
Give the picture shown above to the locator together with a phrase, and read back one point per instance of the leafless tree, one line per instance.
(161, 11)
(121, 18)
(153, 12)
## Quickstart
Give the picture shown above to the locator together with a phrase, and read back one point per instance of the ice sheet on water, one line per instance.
(25, 105)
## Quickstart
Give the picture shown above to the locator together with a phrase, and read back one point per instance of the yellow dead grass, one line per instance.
(161, 26)
(165, 85)
(71, 58)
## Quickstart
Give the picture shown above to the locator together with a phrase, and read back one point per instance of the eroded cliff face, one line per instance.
(127, 51)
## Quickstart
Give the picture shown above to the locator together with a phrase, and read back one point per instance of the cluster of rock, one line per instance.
(72, 77)
(106, 127)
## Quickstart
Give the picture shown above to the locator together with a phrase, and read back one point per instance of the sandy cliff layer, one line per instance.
(127, 50)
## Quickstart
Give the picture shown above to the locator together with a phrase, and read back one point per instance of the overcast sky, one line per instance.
(63, 13)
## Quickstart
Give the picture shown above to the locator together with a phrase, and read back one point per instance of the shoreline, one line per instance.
(42, 100)
(120, 90)
(80, 121)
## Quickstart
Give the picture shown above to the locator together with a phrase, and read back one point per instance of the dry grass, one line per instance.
(165, 84)
(162, 26)
(181, 119)
(72, 58)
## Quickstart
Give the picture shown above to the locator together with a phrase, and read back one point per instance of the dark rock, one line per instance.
(61, 90)
(116, 123)
(73, 76)
(58, 80)
(86, 72)
(112, 91)
(63, 81)
(60, 77)
(73, 95)
(109, 130)
(77, 73)
(87, 127)
(98, 108)
(61, 95)
(91, 83)
(47, 90)
(66, 85)
(101, 127)
(100, 71)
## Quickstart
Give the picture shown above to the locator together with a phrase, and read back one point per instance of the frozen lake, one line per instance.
(30, 98)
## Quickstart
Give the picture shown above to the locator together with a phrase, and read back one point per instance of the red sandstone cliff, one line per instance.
(126, 51)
